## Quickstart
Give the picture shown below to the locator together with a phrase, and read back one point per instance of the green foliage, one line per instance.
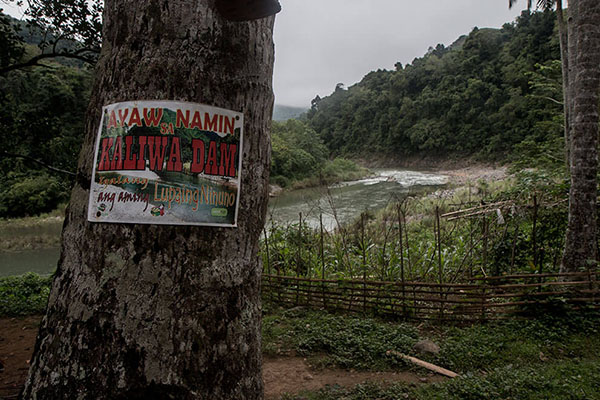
(65, 31)
(547, 358)
(41, 116)
(348, 342)
(297, 151)
(570, 380)
(483, 96)
(24, 295)
(11, 45)
(26, 195)
(300, 158)
(283, 113)
(490, 243)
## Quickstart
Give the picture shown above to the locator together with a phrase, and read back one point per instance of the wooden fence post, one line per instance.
(514, 248)
(268, 263)
(470, 235)
(408, 259)
(485, 241)
(322, 253)
(440, 266)
(364, 260)
(402, 263)
(298, 260)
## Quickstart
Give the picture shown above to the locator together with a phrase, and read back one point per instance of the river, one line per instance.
(343, 202)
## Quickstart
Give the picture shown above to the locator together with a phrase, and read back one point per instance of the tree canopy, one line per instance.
(473, 97)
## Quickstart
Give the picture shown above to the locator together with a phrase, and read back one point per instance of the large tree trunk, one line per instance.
(584, 81)
(146, 311)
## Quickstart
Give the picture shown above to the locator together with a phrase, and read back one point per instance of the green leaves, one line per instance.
(23, 295)
(300, 158)
(349, 342)
(471, 98)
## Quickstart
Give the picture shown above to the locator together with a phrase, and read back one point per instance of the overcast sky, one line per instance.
(319, 43)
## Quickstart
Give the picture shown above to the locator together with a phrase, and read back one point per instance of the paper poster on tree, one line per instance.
(167, 162)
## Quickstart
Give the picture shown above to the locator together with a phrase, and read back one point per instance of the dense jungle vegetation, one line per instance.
(491, 94)
(486, 94)
(41, 118)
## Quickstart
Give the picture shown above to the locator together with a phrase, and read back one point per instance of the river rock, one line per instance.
(275, 190)
(426, 346)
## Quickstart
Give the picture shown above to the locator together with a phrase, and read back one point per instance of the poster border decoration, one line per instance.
(97, 209)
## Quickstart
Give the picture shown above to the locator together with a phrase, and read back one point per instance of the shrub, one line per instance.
(24, 295)
(23, 195)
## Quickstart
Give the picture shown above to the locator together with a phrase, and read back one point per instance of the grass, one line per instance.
(492, 242)
(552, 357)
(332, 340)
(27, 233)
(556, 356)
(569, 380)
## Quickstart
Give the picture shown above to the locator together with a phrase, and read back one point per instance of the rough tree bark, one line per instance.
(584, 78)
(142, 311)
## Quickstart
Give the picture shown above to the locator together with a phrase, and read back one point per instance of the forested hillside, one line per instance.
(482, 96)
(283, 113)
(41, 118)
(490, 93)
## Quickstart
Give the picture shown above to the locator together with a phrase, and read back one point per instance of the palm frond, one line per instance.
(545, 4)
(540, 4)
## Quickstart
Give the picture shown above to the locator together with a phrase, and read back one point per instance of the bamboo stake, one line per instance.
(298, 254)
(485, 243)
(322, 253)
(439, 249)
(425, 364)
(494, 205)
(514, 249)
(268, 258)
(402, 263)
(407, 242)
(364, 254)
(470, 235)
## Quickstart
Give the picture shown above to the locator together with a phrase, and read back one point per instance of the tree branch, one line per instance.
(552, 100)
(43, 164)
(35, 61)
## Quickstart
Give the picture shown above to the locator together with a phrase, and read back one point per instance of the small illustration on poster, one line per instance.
(167, 162)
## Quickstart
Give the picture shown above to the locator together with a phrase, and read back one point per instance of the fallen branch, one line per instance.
(424, 364)
(491, 205)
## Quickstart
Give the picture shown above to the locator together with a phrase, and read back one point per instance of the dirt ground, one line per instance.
(281, 375)
(17, 338)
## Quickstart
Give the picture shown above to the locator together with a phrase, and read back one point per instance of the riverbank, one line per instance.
(334, 171)
(458, 173)
(43, 232)
(32, 233)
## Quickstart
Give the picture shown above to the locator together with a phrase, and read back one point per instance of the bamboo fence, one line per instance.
(496, 295)
(481, 299)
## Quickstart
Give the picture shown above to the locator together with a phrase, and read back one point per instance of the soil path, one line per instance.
(281, 375)
(293, 375)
